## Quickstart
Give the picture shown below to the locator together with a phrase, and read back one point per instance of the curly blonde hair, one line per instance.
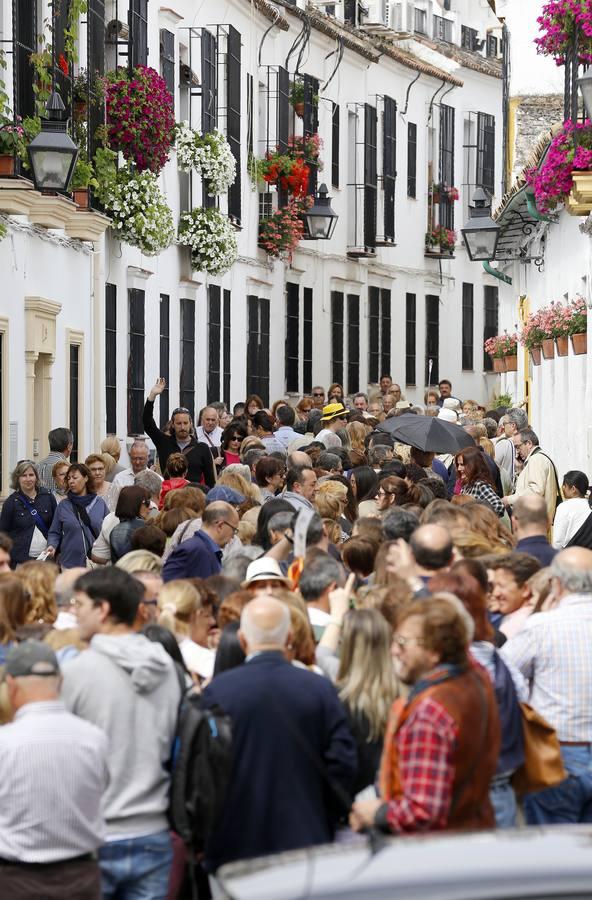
(39, 580)
(331, 499)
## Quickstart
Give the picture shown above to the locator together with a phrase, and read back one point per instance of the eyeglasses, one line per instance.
(234, 528)
(401, 641)
(318, 395)
(150, 602)
(236, 437)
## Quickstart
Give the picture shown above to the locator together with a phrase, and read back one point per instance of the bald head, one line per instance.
(530, 516)
(265, 624)
(218, 510)
(298, 458)
(573, 570)
(432, 548)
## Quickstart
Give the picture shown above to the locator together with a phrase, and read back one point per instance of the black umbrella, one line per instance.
(427, 433)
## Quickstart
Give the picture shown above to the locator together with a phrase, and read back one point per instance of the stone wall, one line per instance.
(534, 116)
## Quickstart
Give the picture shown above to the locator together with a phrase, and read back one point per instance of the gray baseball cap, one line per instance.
(31, 658)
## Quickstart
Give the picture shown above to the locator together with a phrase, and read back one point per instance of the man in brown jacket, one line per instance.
(441, 746)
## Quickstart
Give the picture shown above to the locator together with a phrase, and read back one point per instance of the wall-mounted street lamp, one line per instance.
(53, 153)
(320, 220)
(480, 233)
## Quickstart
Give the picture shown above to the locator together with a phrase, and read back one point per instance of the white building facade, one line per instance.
(409, 97)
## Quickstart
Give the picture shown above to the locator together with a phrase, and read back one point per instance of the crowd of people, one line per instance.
(370, 615)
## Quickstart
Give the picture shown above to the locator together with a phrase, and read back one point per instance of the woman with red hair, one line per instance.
(475, 478)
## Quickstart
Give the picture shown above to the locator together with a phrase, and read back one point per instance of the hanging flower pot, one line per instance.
(562, 346)
(535, 355)
(548, 348)
(299, 109)
(511, 363)
(6, 165)
(81, 197)
(499, 364)
(579, 343)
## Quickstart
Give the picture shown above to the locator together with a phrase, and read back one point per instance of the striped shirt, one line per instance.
(45, 466)
(552, 650)
(53, 771)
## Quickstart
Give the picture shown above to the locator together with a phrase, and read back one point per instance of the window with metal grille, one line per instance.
(411, 159)
(337, 336)
(389, 165)
(353, 343)
(310, 123)
(420, 22)
(111, 358)
(258, 347)
(233, 116)
(468, 37)
(59, 24)
(24, 32)
(335, 145)
(379, 333)
(467, 326)
(370, 176)
(135, 360)
(187, 375)
(226, 349)
(432, 346)
(492, 45)
(165, 341)
(292, 337)
(138, 32)
(74, 398)
(283, 122)
(410, 337)
(214, 335)
(486, 152)
(446, 164)
(209, 82)
(490, 320)
(167, 58)
(442, 29)
(95, 50)
(307, 342)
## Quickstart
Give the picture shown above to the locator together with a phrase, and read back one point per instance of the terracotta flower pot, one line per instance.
(562, 346)
(579, 343)
(548, 348)
(511, 363)
(499, 364)
(535, 355)
(81, 197)
(299, 108)
(6, 164)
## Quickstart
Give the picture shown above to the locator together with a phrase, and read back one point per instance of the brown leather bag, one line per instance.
(543, 765)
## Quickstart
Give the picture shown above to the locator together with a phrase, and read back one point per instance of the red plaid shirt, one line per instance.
(426, 745)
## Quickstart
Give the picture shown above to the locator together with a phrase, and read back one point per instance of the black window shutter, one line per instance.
(214, 335)
(446, 163)
(373, 334)
(233, 116)
(226, 350)
(187, 374)
(370, 175)
(310, 122)
(411, 159)
(490, 321)
(24, 25)
(353, 343)
(74, 398)
(209, 95)
(307, 342)
(95, 70)
(486, 152)
(385, 332)
(283, 109)
(164, 368)
(138, 32)
(111, 358)
(432, 340)
(292, 336)
(389, 166)
(467, 326)
(410, 338)
(167, 58)
(135, 364)
(264, 351)
(335, 146)
(252, 343)
(250, 100)
(59, 23)
(337, 336)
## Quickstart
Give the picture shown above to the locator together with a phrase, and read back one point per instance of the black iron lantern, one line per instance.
(585, 86)
(320, 220)
(481, 233)
(53, 153)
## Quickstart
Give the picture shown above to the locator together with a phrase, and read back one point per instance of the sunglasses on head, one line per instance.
(180, 409)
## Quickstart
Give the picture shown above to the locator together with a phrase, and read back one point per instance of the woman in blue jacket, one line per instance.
(77, 520)
(27, 513)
